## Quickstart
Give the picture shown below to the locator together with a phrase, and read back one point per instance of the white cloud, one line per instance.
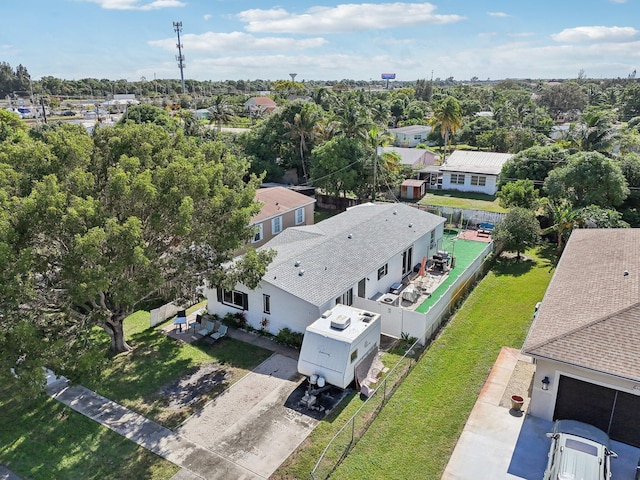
(208, 16)
(137, 4)
(618, 1)
(344, 18)
(498, 14)
(520, 34)
(595, 34)
(487, 34)
(216, 43)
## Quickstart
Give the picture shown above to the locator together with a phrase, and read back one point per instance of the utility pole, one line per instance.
(177, 27)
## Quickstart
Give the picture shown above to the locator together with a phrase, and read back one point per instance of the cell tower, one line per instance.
(177, 27)
(293, 76)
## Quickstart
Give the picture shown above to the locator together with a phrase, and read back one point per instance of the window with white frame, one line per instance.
(276, 225)
(457, 179)
(259, 233)
(300, 216)
(478, 180)
(383, 270)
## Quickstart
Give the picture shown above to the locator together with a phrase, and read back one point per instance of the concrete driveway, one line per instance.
(498, 443)
(248, 424)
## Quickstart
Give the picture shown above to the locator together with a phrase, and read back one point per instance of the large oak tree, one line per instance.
(95, 228)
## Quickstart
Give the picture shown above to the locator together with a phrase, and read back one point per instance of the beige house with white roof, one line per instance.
(471, 171)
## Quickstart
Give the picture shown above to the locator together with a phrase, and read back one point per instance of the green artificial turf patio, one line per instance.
(464, 252)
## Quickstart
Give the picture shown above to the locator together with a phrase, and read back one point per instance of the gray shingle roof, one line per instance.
(332, 262)
(590, 314)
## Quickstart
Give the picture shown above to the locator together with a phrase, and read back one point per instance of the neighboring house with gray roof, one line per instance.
(585, 337)
(410, 136)
(360, 252)
(472, 171)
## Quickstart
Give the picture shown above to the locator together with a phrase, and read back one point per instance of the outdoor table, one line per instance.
(179, 321)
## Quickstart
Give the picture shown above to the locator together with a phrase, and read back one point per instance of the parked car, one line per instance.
(68, 113)
(578, 451)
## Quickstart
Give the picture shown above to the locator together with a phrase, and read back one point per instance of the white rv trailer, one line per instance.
(337, 343)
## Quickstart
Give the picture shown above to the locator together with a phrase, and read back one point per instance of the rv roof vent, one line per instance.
(327, 314)
(298, 263)
(365, 318)
(341, 322)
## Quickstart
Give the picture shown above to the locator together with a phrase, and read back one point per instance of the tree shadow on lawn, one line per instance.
(508, 264)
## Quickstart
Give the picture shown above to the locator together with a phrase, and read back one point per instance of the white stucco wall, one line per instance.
(490, 187)
(543, 402)
(296, 314)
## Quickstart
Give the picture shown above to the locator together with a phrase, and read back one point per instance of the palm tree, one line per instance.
(447, 114)
(565, 218)
(594, 131)
(304, 129)
(352, 119)
(385, 162)
(220, 112)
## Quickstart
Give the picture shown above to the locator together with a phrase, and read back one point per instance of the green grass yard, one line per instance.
(47, 440)
(467, 200)
(416, 432)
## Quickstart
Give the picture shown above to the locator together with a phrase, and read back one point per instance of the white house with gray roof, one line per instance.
(471, 171)
(585, 337)
(358, 253)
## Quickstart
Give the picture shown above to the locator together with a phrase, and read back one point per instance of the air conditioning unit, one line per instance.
(341, 322)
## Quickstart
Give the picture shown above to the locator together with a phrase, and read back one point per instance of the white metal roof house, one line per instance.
(358, 253)
(585, 337)
(471, 171)
(411, 135)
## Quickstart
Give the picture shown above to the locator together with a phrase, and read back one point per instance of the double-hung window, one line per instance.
(276, 225)
(299, 216)
(383, 270)
(259, 233)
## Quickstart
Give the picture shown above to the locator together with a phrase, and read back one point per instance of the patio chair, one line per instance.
(221, 332)
(195, 323)
(208, 328)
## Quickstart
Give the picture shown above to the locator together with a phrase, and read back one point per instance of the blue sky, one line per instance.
(321, 40)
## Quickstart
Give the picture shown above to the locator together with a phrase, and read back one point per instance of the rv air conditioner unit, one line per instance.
(341, 322)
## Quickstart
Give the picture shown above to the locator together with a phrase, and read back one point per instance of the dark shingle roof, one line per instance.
(338, 252)
(590, 314)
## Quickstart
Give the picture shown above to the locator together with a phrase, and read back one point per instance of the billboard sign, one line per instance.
(388, 76)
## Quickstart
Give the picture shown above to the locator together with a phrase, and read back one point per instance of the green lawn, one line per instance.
(415, 433)
(134, 380)
(47, 440)
(468, 200)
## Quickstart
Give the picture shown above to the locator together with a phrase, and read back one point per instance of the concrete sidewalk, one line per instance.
(199, 462)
